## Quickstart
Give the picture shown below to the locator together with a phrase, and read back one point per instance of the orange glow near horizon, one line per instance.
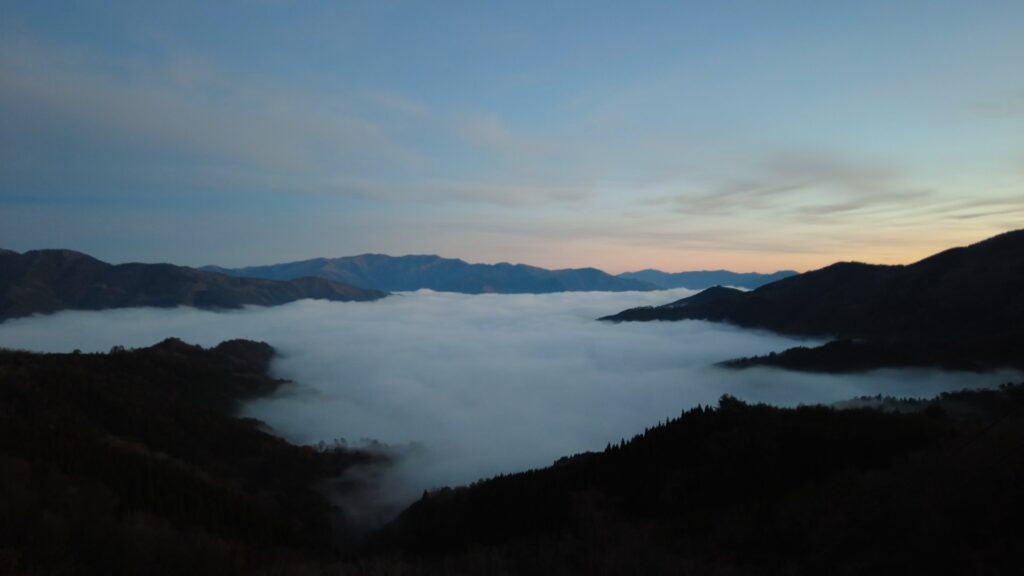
(893, 249)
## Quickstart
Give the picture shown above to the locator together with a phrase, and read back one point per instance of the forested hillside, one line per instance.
(133, 463)
(924, 488)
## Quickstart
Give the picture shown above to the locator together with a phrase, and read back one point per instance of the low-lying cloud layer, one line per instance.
(471, 386)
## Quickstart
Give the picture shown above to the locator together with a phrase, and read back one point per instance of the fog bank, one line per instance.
(468, 386)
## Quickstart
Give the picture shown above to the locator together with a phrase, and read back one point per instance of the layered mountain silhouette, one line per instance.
(45, 281)
(701, 279)
(960, 308)
(408, 273)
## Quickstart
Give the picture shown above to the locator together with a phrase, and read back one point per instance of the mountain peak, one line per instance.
(418, 271)
(45, 281)
(964, 302)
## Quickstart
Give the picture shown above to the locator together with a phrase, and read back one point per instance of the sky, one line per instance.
(467, 386)
(746, 135)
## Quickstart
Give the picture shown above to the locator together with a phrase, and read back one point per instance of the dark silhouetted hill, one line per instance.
(45, 281)
(742, 489)
(964, 305)
(133, 462)
(699, 280)
(408, 273)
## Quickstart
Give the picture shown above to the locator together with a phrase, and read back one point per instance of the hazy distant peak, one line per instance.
(701, 279)
(45, 281)
(418, 271)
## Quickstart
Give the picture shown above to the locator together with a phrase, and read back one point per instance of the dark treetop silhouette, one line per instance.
(131, 463)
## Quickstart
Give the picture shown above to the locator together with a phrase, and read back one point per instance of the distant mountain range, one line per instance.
(45, 281)
(960, 308)
(699, 280)
(409, 273)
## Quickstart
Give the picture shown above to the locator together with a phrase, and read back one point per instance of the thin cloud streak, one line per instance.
(768, 132)
(795, 186)
(202, 121)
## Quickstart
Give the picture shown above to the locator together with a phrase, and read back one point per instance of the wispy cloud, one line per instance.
(373, 130)
(429, 191)
(195, 123)
(397, 103)
(808, 186)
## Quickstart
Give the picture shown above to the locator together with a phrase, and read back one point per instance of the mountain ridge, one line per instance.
(136, 462)
(964, 298)
(701, 279)
(418, 271)
(46, 281)
(750, 489)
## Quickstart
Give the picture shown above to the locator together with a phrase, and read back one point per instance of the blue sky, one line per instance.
(680, 135)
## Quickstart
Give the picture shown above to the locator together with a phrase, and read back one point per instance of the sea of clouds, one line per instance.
(469, 386)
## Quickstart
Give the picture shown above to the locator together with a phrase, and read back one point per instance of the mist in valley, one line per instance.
(461, 387)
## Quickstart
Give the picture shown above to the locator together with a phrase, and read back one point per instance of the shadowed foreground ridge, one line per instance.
(46, 281)
(962, 308)
(133, 463)
(743, 489)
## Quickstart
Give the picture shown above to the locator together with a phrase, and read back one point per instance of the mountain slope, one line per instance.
(963, 297)
(408, 273)
(45, 281)
(699, 280)
(133, 462)
(742, 489)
